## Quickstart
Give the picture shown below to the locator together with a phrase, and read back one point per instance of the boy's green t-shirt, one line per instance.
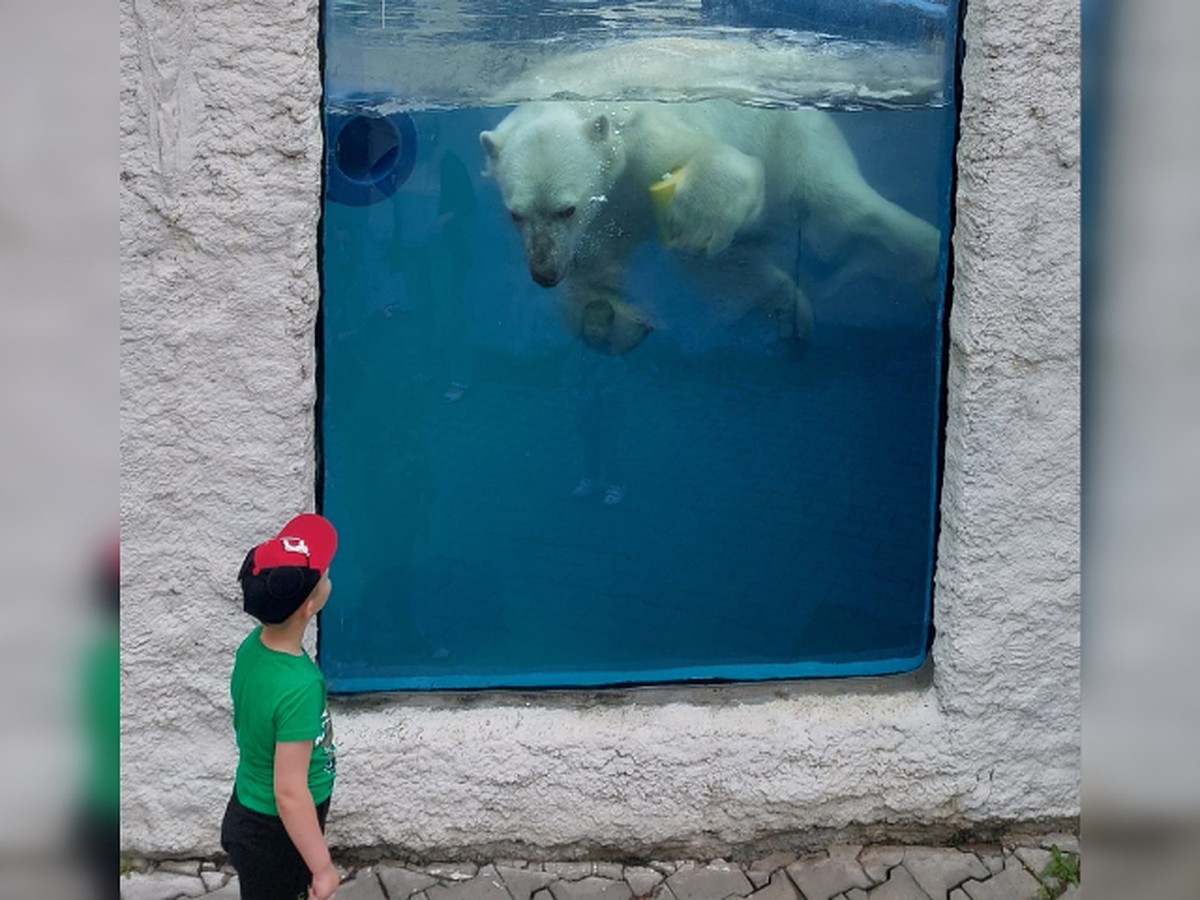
(278, 697)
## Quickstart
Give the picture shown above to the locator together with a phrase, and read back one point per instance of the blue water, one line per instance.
(780, 511)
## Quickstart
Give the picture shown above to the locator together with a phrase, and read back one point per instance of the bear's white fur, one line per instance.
(575, 178)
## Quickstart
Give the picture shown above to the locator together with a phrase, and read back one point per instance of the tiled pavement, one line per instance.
(1006, 871)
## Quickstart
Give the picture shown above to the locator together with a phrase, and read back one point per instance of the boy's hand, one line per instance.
(324, 884)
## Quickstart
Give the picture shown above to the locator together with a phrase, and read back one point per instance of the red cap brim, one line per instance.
(307, 540)
(316, 531)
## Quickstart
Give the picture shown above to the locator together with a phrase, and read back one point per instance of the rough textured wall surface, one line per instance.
(220, 148)
(1008, 579)
(221, 153)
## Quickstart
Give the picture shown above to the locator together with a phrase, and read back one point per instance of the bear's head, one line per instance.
(554, 164)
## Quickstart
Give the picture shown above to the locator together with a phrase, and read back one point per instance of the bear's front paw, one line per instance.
(714, 198)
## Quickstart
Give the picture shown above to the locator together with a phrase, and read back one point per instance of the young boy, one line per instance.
(274, 825)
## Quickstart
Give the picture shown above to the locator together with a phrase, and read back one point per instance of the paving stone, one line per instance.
(160, 886)
(522, 883)
(213, 879)
(821, 877)
(759, 872)
(400, 883)
(779, 888)
(179, 867)
(569, 871)
(641, 880)
(715, 881)
(1014, 883)
(615, 871)
(449, 871)
(1035, 858)
(1067, 843)
(1073, 892)
(591, 888)
(484, 887)
(512, 863)
(668, 866)
(662, 892)
(492, 874)
(878, 859)
(855, 894)
(844, 851)
(543, 894)
(992, 859)
(363, 886)
(758, 877)
(778, 860)
(231, 891)
(959, 894)
(900, 885)
(938, 869)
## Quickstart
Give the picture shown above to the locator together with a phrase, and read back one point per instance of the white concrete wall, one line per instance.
(221, 152)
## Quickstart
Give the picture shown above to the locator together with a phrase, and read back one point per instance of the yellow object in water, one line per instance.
(661, 193)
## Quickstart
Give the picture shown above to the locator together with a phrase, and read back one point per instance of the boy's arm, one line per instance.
(299, 814)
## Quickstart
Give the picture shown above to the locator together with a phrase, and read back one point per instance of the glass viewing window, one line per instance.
(632, 338)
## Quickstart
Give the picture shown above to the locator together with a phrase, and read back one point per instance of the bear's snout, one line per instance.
(545, 277)
(542, 265)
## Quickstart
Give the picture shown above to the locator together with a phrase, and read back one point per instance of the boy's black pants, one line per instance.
(268, 864)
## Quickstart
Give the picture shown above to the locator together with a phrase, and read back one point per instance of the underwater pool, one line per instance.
(748, 372)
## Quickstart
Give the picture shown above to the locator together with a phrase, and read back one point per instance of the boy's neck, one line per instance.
(286, 637)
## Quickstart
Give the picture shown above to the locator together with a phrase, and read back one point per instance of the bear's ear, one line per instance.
(598, 128)
(490, 143)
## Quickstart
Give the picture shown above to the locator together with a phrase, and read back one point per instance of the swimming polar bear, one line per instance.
(576, 179)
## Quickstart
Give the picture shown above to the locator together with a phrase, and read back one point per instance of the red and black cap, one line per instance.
(279, 574)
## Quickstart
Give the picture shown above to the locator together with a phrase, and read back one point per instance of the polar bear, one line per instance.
(576, 179)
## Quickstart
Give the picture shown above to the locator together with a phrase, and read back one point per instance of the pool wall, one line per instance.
(220, 202)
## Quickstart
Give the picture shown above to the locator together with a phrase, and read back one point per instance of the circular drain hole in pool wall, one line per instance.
(370, 156)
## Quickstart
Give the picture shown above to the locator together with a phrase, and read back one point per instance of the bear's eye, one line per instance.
(566, 212)
(516, 216)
